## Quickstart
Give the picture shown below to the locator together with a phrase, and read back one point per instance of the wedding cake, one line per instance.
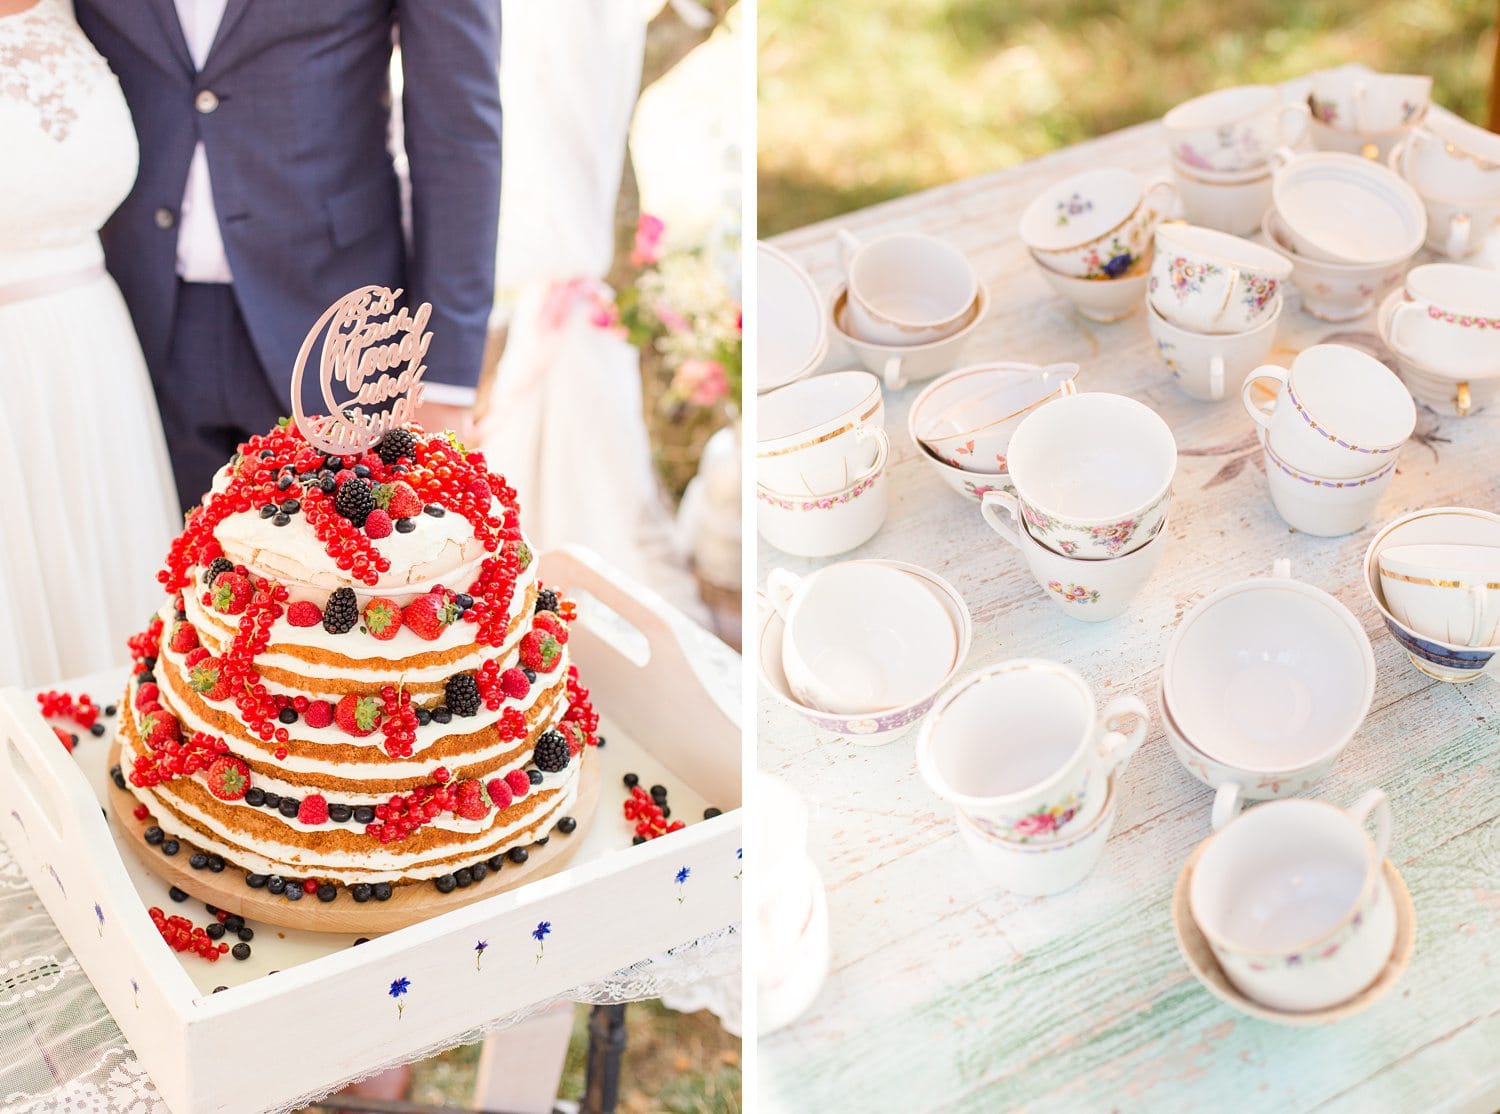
(357, 679)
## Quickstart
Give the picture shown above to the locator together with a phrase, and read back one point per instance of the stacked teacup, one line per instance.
(1455, 167)
(1363, 113)
(1032, 768)
(1331, 436)
(907, 306)
(1213, 301)
(1090, 488)
(1090, 235)
(1224, 147)
(1443, 329)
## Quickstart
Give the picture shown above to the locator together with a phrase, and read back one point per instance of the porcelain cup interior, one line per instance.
(861, 637)
(817, 435)
(899, 364)
(1332, 291)
(1233, 130)
(906, 288)
(1451, 312)
(1447, 592)
(1269, 674)
(1343, 208)
(967, 417)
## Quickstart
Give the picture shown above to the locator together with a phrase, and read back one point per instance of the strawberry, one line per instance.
(304, 613)
(540, 651)
(518, 783)
(471, 801)
(382, 616)
(184, 637)
(428, 616)
(195, 655)
(403, 501)
(228, 777)
(157, 728)
(313, 809)
(231, 593)
(575, 736)
(499, 792)
(514, 684)
(358, 715)
(64, 738)
(208, 678)
(553, 624)
(378, 524)
(319, 714)
(145, 694)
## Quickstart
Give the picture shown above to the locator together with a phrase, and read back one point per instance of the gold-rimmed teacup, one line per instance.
(967, 417)
(817, 434)
(1095, 225)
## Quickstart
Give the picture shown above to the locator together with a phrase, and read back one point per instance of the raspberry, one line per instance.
(313, 809)
(499, 792)
(342, 612)
(304, 613)
(319, 714)
(514, 684)
(378, 524)
(552, 753)
(518, 782)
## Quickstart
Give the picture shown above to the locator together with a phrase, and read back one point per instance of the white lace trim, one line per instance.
(42, 66)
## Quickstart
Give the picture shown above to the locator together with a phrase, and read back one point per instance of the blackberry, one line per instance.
(342, 611)
(462, 695)
(546, 600)
(360, 892)
(396, 444)
(354, 500)
(445, 883)
(215, 567)
(567, 825)
(382, 891)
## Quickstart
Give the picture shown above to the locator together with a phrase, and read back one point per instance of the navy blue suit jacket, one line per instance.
(304, 186)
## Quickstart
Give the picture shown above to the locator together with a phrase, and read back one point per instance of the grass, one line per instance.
(865, 100)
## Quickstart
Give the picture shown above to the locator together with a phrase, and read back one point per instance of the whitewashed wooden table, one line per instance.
(947, 994)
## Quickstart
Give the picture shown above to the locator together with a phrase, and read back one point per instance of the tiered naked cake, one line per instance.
(357, 680)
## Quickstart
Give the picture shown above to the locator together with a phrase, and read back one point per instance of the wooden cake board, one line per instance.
(412, 902)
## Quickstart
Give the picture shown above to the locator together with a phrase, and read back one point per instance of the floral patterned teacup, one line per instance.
(1092, 591)
(1097, 224)
(1364, 103)
(1293, 899)
(1092, 474)
(1212, 282)
(1233, 129)
(1207, 366)
(1021, 750)
(1450, 319)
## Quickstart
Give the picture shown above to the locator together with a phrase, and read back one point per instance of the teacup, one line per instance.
(1450, 157)
(1093, 591)
(1042, 869)
(1232, 203)
(1320, 506)
(1293, 899)
(1363, 102)
(1234, 787)
(861, 637)
(1209, 367)
(1434, 657)
(971, 485)
(1104, 302)
(818, 435)
(823, 525)
(896, 364)
(1447, 592)
(1345, 209)
(1338, 413)
(1095, 225)
(1432, 384)
(969, 415)
(799, 340)
(1092, 474)
(906, 289)
(1212, 282)
(1268, 677)
(1332, 291)
(1451, 315)
(1020, 749)
(1234, 129)
(1455, 228)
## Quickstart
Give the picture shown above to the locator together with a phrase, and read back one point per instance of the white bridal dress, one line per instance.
(87, 506)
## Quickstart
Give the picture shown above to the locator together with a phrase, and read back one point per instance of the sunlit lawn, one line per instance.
(863, 100)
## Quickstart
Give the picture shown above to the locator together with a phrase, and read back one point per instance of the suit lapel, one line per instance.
(234, 10)
(166, 15)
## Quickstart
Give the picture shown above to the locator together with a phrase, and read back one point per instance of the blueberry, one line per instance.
(441, 714)
(382, 891)
(255, 796)
(424, 717)
(518, 854)
(146, 678)
(198, 860)
(479, 872)
(155, 835)
(219, 988)
(658, 793)
(294, 892)
(361, 940)
(534, 776)
(567, 825)
(543, 841)
(710, 813)
(666, 812)
(496, 862)
(289, 807)
(96, 730)
(445, 883)
(177, 895)
(270, 800)
(215, 864)
(268, 510)
(360, 892)
(256, 881)
(119, 777)
(246, 934)
(364, 814)
(291, 506)
(281, 520)
(240, 951)
(275, 884)
(267, 454)
(362, 471)
(284, 481)
(464, 877)
(215, 930)
(463, 601)
(328, 484)
(639, 839)
(327, 892)
(434, 510)
(405, 525)
(110, 709)
(234, 922)
(340, 814)
(530, 676)
(287, 715)
(170, 847)
(631, 781)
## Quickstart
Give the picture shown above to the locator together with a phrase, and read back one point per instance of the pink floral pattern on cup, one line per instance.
(1186, 276)
(1259, 290)
(1463, 320)
(1043, 823)
(1073, 593)
(821, 503)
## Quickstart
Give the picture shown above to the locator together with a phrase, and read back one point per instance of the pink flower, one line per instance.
(647, 249)
(1039, 824)
(701, 382)
(669, 317)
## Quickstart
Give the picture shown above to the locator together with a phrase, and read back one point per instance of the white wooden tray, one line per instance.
(308, 1010)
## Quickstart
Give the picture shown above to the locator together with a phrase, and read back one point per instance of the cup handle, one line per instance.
(1281, 157)
(882, 454)
(1377, 803)
(1228, 800)
(891, 374)
(1216, 377)
(1403, 312)
(1358, 97)
(1169, 197)
(996, 507)
(1458, 236)
(1261, 417)
(1294, 111)
(1118, 746)
(848, 244)
(781, 586)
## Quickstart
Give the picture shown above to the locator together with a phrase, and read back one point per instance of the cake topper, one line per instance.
(375, 351)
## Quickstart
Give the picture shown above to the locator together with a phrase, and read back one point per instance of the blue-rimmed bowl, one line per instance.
(1443, 661)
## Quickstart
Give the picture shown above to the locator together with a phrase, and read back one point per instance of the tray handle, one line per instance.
(52, 795)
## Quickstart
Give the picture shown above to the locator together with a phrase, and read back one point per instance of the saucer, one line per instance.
(798, 340)
(1205, 967)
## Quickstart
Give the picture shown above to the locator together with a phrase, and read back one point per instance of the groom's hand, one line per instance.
(436, 417)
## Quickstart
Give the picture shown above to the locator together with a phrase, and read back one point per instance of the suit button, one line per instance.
(165, 218)
(206, 101)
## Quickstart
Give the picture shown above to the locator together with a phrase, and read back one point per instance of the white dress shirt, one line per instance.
(200, 247)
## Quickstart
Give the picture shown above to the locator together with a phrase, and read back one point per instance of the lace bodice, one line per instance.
(70, 149)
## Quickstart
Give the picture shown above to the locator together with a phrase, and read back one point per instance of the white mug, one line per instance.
(1293, 899)
(906, 289)
(1211, 282)
(1209, 367)
(1020, 749)
(1446, 592)
(1339, 413)
(818, 435)
(1450, 318)
(1234, 129)
(861, 636)
(1321, 507)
